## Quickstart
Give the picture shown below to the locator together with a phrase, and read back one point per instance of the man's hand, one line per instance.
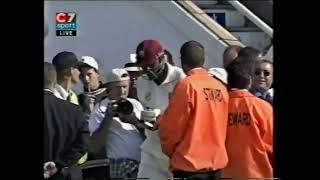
(90, 100)
(132, 119)
(155, 124)
(111, 109)
(49, 169)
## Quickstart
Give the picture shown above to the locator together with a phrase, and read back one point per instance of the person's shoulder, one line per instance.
(134, 101)
(48, 95)
(176, 68)
(175, 74)
(72, 107)
(66, 106)
(184, 82)
(261, 104)
(136, 104)
(142, 78)
(56, 92)
(178, 72)
(52, 98)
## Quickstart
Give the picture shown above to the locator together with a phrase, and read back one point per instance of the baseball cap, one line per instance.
(65, 60)
(148, 49)
(117, 74)
(220, 73)
(90, 61)
(132, 67)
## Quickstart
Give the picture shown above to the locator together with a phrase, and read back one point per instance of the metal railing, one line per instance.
(255, 19)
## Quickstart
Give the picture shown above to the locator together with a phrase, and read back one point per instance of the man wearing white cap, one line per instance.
(109, 130)
(135, 72)
(90, 77)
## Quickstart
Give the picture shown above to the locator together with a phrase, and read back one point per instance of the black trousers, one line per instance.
(211, 175)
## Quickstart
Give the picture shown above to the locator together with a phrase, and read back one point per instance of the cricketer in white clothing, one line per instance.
(154, 164)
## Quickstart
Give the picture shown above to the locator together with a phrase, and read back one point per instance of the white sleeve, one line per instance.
(96, 117)
(182, 75)
(137, 107)
(140, 88)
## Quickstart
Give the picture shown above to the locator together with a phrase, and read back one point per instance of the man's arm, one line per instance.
(99, 124)
(86, 102)
(266, 122)
(134, 117)
(173, 123)
(98, 138)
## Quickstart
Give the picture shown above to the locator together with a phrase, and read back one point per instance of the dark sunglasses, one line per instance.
(265, 73)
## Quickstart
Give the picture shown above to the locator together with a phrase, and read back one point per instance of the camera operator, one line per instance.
(112, 126)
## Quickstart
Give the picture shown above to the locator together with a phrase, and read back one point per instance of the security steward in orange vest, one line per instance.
(194, 126)
(250, 128)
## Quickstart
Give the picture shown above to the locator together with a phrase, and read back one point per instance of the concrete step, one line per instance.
(244, 29)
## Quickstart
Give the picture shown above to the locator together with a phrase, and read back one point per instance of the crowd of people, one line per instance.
(152, 119)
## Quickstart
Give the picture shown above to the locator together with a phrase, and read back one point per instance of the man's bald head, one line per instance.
(230, 54)
(250, 52)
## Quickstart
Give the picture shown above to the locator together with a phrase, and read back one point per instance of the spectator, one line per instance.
(248, 62)
(94, 92)
(250, 128)
(262, 80)
(66, 64)
(250, 53)
(65, 131)
(230, 54)
(154, 89)
(193, 127)
(111, 129)
(135, 72)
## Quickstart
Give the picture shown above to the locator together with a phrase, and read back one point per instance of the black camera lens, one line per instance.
(124, 106)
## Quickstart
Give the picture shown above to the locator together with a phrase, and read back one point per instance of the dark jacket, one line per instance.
(65, 131)
(262, 94)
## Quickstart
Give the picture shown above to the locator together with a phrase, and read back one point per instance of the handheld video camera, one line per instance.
(124, 106)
